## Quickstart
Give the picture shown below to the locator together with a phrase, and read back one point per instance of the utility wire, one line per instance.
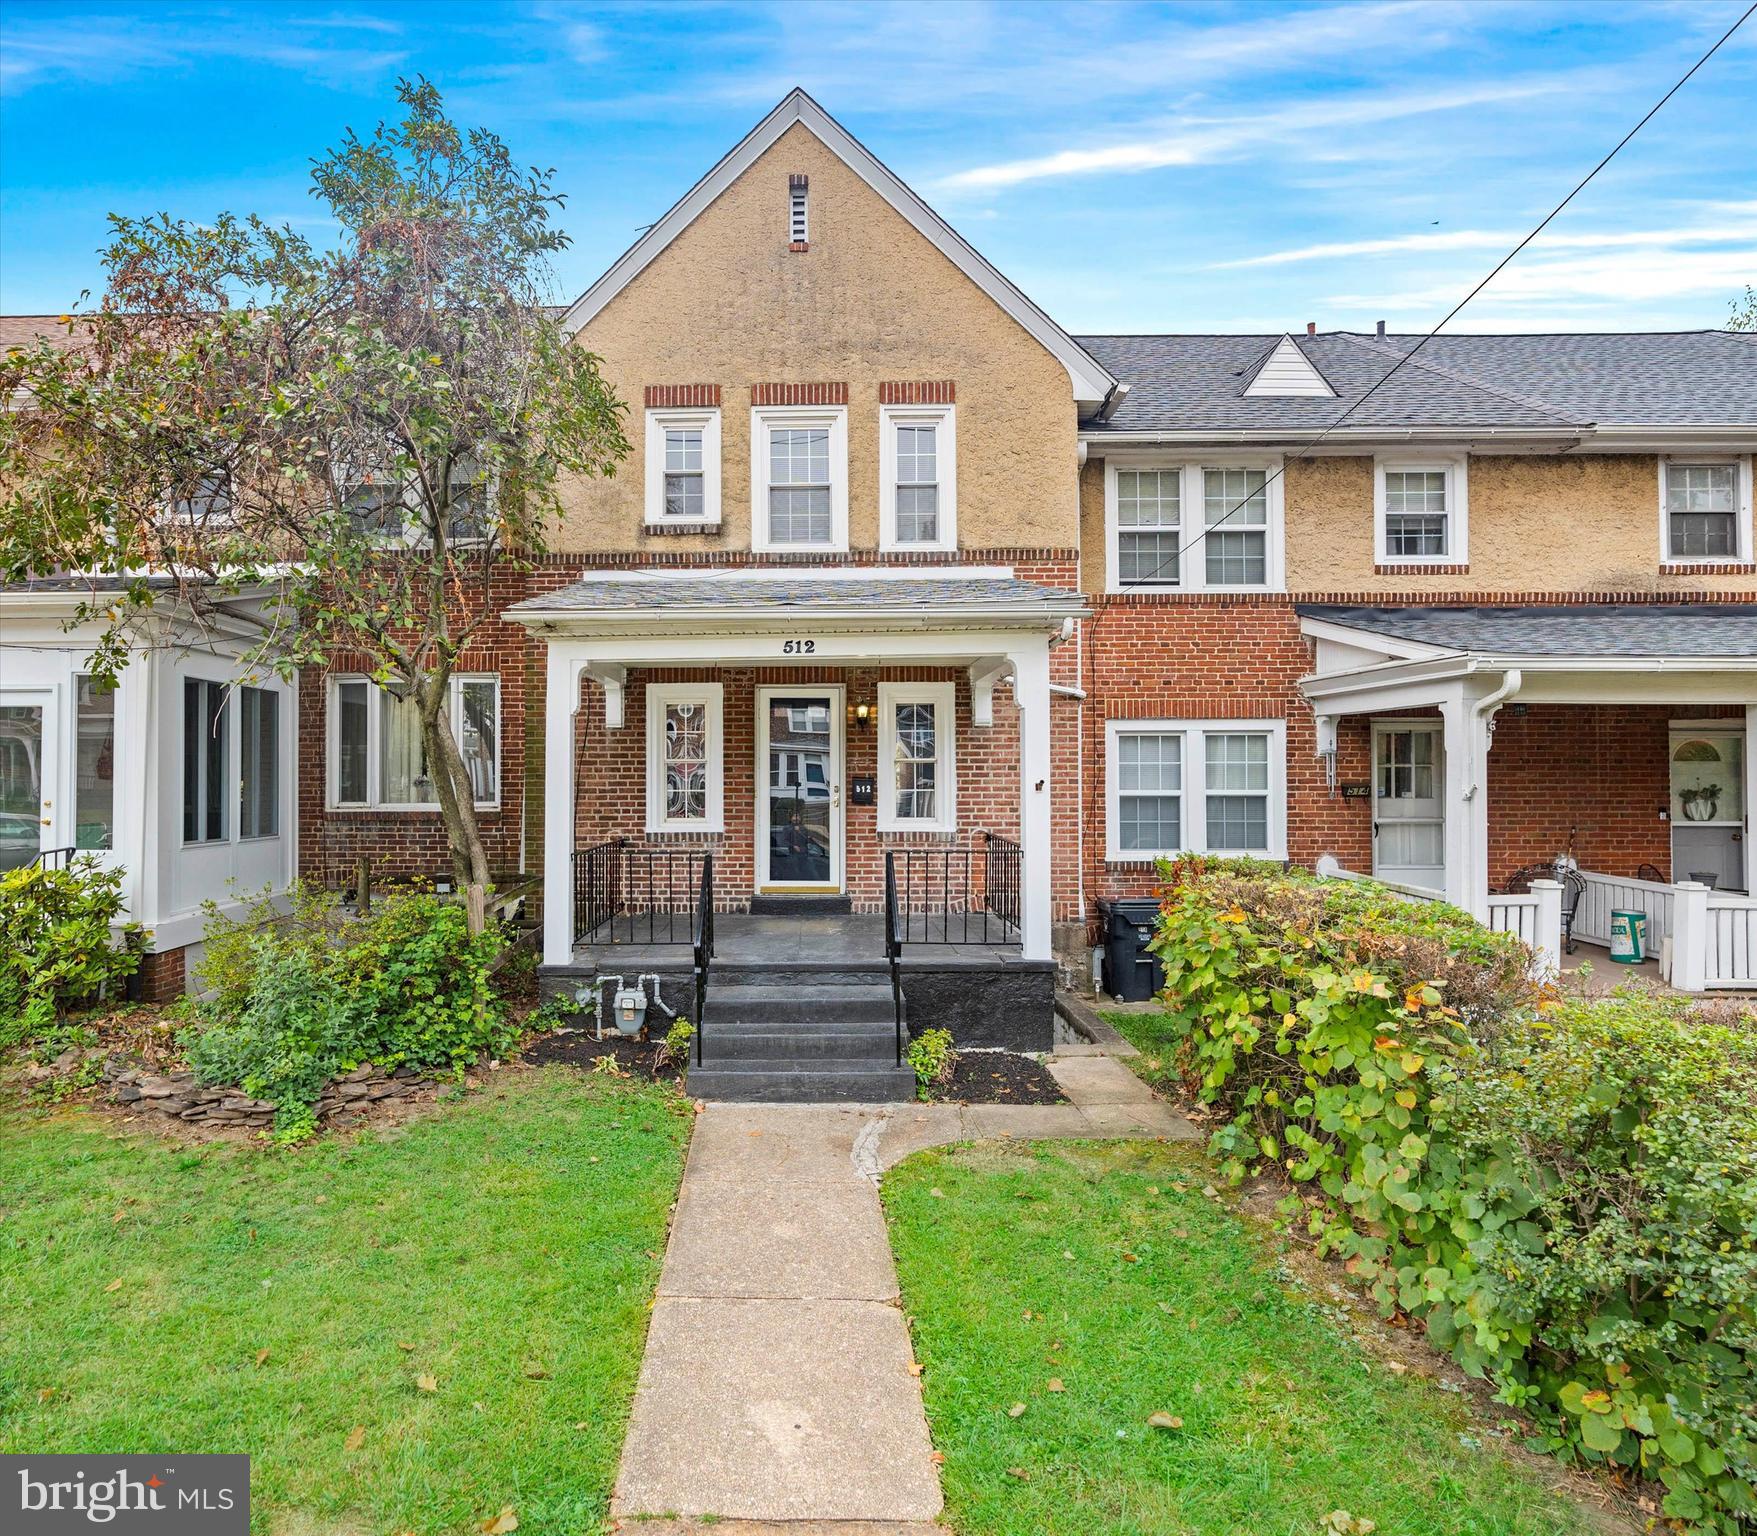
(1176, 557)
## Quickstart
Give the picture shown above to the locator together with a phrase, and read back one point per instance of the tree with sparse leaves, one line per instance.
(1744, 312)
(357, 439)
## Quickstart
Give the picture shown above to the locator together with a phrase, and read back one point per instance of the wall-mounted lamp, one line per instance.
(860, 714)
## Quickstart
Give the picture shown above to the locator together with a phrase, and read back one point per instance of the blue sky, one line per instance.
(1161, 167)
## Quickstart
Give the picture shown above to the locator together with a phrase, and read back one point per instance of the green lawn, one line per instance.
(1150, 1034)
(507, 1246)
(1015, 1266)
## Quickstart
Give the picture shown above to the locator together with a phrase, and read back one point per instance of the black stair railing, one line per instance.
(894, 946)
(1003, 874)
(938, 900)
(704, 949)
(55, 858)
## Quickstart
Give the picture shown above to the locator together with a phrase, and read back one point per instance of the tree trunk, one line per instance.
(457, 799)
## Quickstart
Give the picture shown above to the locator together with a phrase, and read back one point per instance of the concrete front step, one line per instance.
(786, 1080)
(806, 1001)
(839, 1043)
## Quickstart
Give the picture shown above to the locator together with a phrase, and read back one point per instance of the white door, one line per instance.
(1409, 813)
(29, 774)
(799, 789)
(1708, 807)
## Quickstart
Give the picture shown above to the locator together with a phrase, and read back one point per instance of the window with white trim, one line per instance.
(377, 759)
(207, 762)
(683, 467)
(1419, 511)
(685, 748)
(918, 476)
(1154, 540)
(799, 478)
(1198, 786)
(259, 762)
(917, 758)
(1705, 507)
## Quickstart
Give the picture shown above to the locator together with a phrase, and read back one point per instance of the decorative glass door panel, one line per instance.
(1409, 820)
(801, 780)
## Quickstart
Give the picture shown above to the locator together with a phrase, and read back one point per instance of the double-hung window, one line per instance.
(372, 493)
(207, 761)
(685, 752)
(683, 468)
(378, 760)
(1706, 509)
(918, 456)
(1199, 786)
(1419, 511)
(917, 790)
(259, 762)
(1193, 526)
(799, 478)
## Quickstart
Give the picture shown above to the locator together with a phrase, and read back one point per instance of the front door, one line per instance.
(799, 789)
(1409, 815)
(1708, 807)
(27, 775)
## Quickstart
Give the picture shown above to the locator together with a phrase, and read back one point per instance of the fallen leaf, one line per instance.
(1054, 1384)
(536, 1373)
(1129, 1258)
(1396, 1367)
(1164, 1420)
(1020, 1473)
(915, 1367)
(1067, 1253)
(356, 1438)
(114, 1285)
(322, 1200)
(938, 1194)
(427, 1383)
(502, 1523)
(402, 1345)
(580, 1425)
(938, 1458)
(1016, 1411)
(261, 1357)
(44, 1394)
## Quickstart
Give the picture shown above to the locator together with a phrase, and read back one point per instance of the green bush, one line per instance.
(932, 1057)
(297, 999)
(1565, 1193)
(62, 944)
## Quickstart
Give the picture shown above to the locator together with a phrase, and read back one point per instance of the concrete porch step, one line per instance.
(834, 1045)
(785, 1080)
(803, 999)
(803, 905)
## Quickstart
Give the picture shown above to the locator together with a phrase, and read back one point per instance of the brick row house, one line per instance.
(902, 581)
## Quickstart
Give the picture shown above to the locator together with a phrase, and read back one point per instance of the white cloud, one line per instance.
(1198, 141)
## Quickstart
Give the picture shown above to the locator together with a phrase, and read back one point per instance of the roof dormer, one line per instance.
(1287, 371)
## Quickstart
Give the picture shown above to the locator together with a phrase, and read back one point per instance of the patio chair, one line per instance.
(1573, 888)
(1519, 882)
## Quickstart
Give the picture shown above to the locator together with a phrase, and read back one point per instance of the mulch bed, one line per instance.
(581, 1049)
(997, 1077)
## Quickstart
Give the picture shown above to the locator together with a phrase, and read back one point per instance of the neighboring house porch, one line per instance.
(1479, 753)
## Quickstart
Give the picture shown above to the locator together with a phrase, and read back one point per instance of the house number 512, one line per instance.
(798, 647)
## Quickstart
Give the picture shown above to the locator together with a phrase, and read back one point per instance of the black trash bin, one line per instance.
(1131, 974)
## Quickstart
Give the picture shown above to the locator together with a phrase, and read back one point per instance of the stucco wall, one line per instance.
(728, 303)
(1537, 523)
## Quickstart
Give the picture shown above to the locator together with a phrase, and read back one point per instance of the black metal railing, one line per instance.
(55, 858)
(894, 946)
(704, 949)
(958, 895)
(628, 895)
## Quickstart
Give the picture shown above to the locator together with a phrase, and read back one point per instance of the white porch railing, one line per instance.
(1533, 917)
(1605, 894)
(1714, 939)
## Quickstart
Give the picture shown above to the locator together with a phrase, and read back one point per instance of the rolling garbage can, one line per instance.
(1131, 974)
(1628, 937)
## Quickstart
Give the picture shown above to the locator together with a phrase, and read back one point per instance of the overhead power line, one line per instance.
(1176, 558)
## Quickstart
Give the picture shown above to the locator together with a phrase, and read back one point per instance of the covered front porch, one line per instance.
(1548, 768)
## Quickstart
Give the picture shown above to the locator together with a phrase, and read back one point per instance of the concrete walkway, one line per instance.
(776, 1391)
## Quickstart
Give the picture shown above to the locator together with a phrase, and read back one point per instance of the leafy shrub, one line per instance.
(674, 1048)
(1567, 1194)
(62, 943)
(297, 999)
(933, 1058)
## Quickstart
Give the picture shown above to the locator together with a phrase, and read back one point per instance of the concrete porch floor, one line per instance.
(828, 939)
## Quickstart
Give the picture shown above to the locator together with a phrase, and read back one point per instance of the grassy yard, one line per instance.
(1105, 1266)
(1151, 1034)
(407, 1332)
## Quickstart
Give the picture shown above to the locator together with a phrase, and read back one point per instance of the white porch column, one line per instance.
(561, 698)
(1031, 692)
(1467, 831)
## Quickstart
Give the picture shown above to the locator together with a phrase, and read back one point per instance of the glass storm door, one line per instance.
(800, 813)
(27, 777)
(1708, 807)
(1409, 814)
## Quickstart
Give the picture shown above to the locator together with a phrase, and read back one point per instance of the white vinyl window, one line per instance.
(207, 762)
(259, 762)
(377, 759)
(1193, 527)
(685, 749)
(1196, 786)
(683, 467)
(799, 477)
(917, 789)
(918, 476)
(1705, 510)
(1420, 511)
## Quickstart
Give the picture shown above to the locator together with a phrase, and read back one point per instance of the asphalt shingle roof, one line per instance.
(784, 590)
(1588, 629)
(1658, 379)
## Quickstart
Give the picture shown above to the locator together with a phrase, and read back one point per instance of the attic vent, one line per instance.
(1288, 371)
(798, 232)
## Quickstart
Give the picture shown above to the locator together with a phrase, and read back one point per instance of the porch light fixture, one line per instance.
(861, 715)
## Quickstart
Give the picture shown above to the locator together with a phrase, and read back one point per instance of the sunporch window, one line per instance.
(259, 762)
(95, 782)
(206, 761)
(378, 759)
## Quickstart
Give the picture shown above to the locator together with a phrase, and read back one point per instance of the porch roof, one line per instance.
(1584, 631)
(987, 597)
